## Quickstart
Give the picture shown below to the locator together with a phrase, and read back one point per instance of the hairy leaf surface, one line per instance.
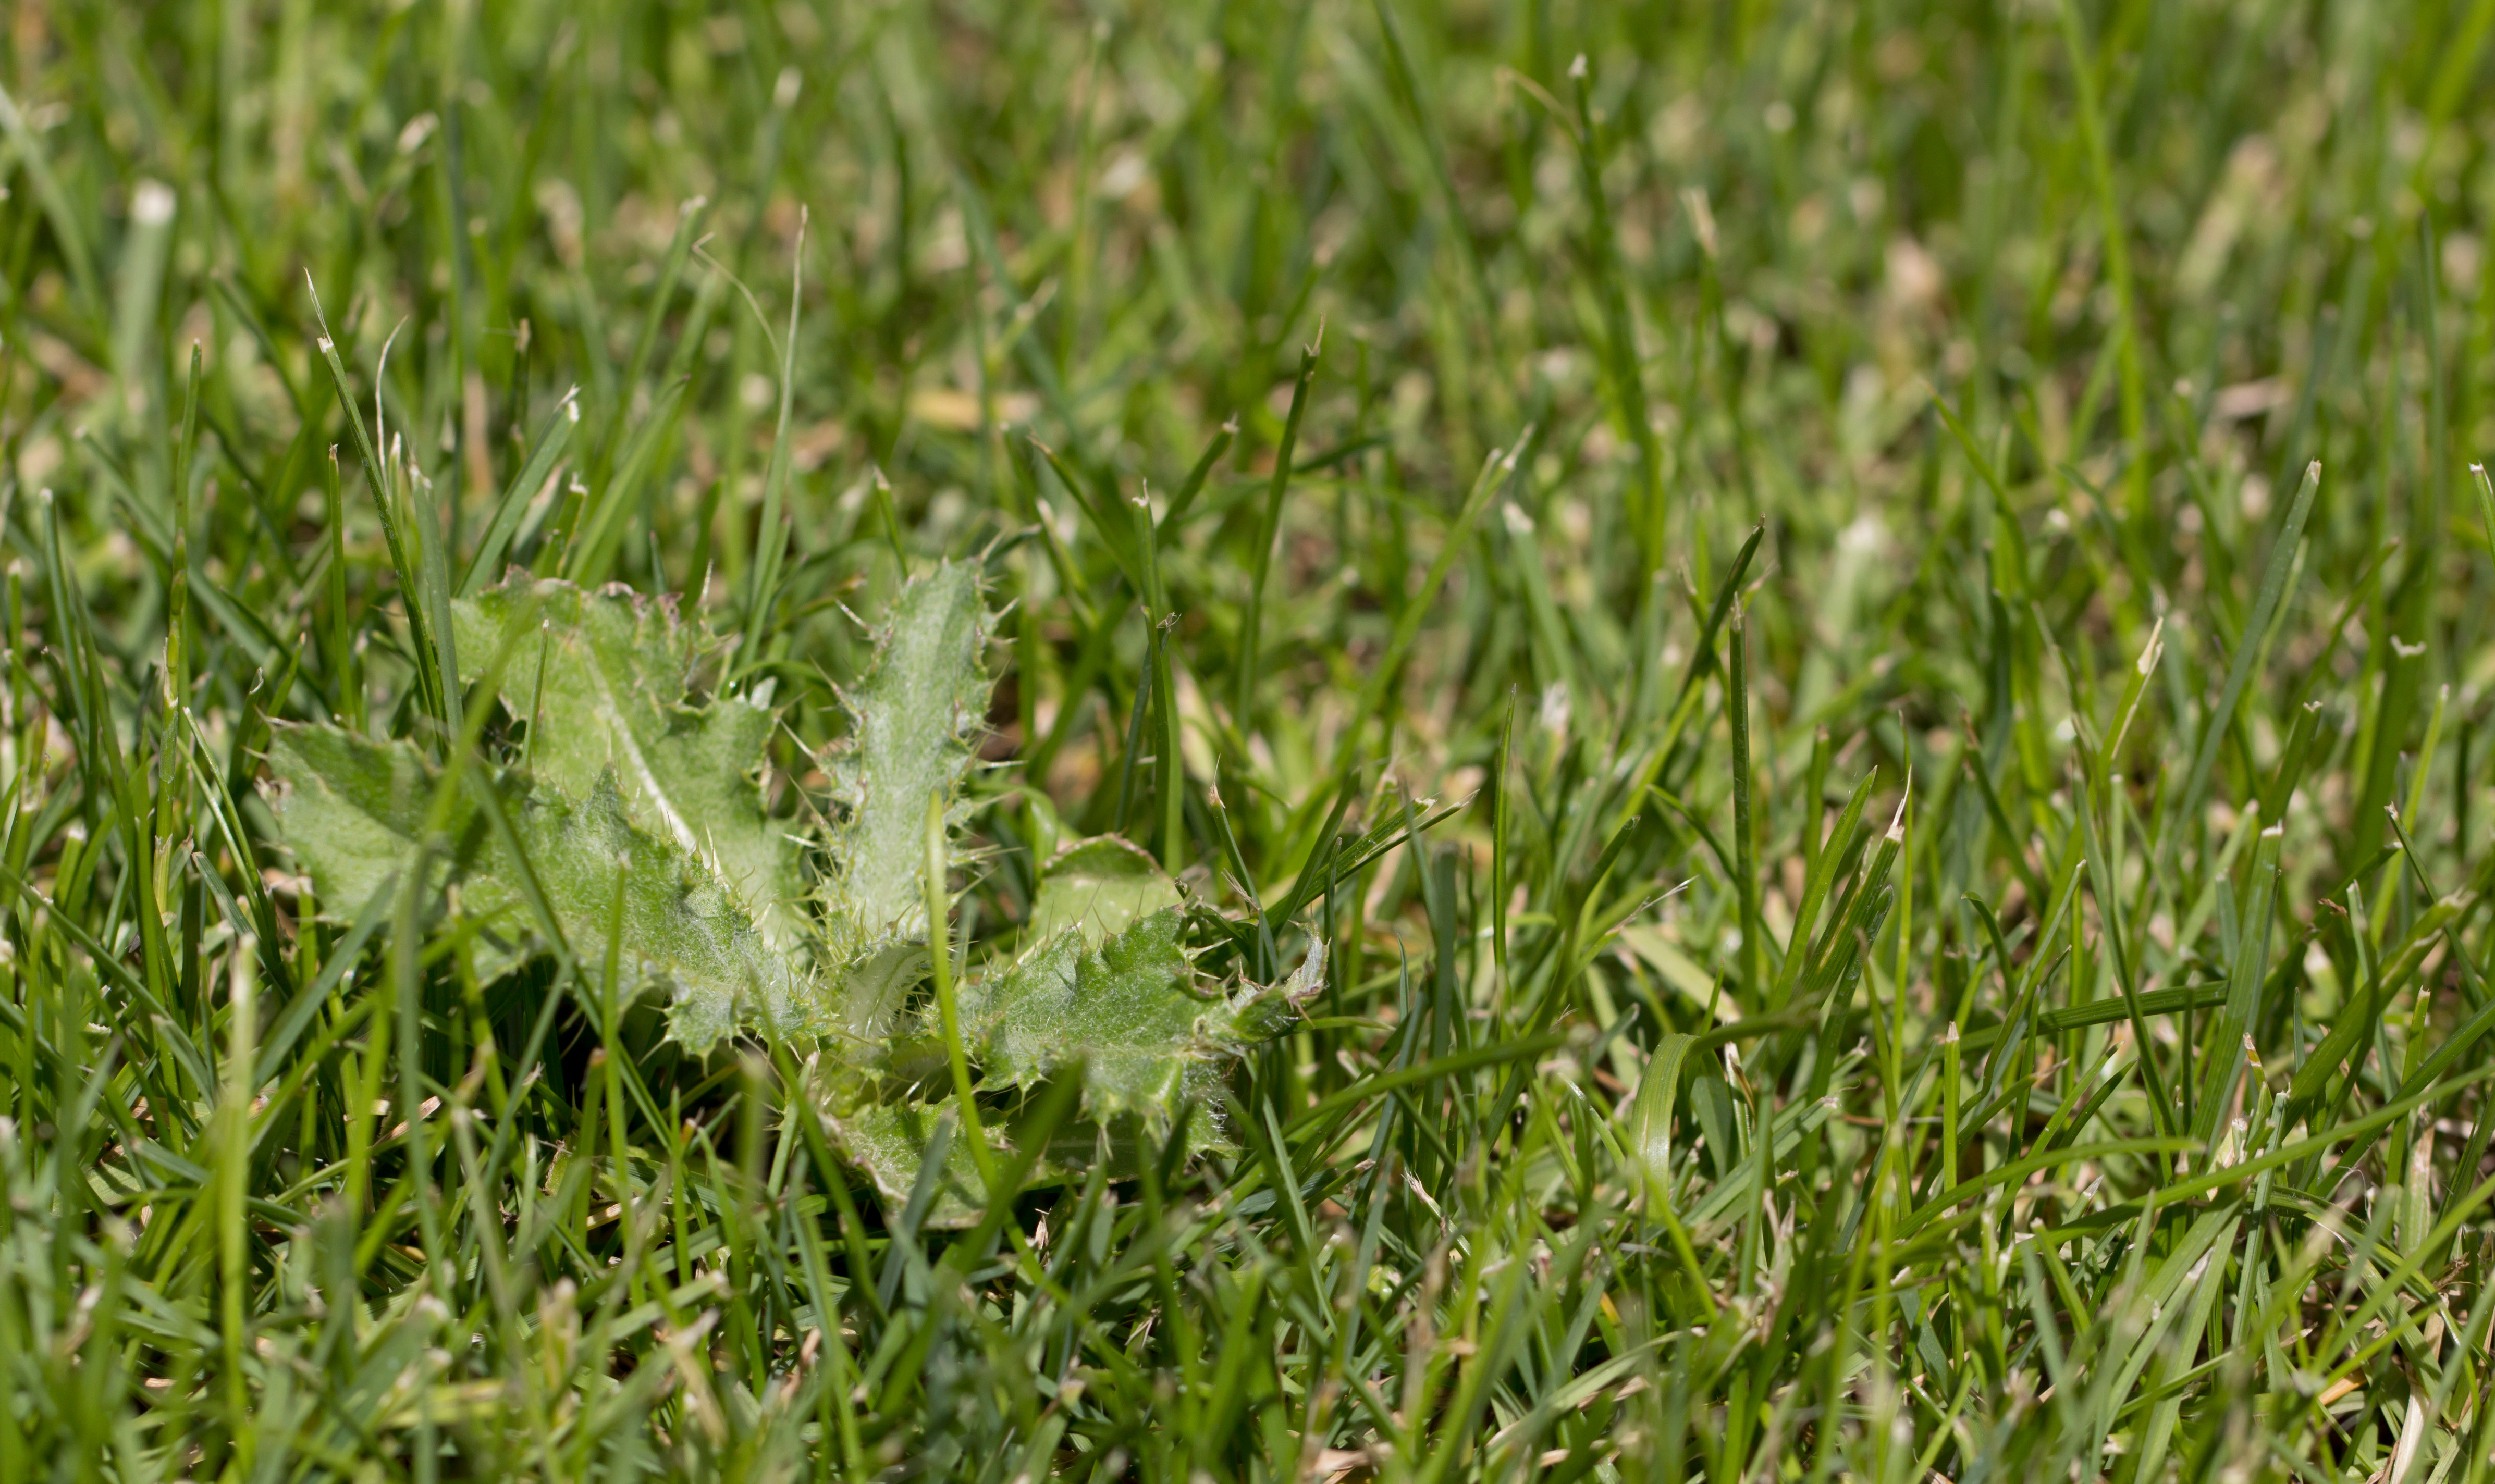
(1127, 1011)
(914, 718)
(354, 810)
(603, 679)
(1099, 888)
(888, 1142)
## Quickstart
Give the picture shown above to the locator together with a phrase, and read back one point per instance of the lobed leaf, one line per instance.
(603, 679)
(914, 718)
(354, 811)
(1099, 887)
(1126, 1012)
(888, 1144)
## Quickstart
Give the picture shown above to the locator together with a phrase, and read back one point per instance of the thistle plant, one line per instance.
(621, 817)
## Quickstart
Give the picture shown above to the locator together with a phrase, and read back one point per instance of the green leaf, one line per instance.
(1125, 1010)
(1651, 1121)
(603, 679)
(874, 989)
(1100, 887)
(888, 1144)
(914, 718)
(353, 812)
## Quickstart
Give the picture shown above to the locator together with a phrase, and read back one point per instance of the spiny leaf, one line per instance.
(1127, 1011)
(888, 1144)
(602, 679)
(354, 810)
(1100, 887)
(914, 718)
(875, 987)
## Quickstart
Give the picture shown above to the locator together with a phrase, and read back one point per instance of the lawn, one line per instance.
(1310, 740)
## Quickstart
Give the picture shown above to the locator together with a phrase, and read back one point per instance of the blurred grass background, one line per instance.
(2014, 326)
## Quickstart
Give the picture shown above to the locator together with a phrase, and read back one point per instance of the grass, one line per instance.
(1865, 630)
